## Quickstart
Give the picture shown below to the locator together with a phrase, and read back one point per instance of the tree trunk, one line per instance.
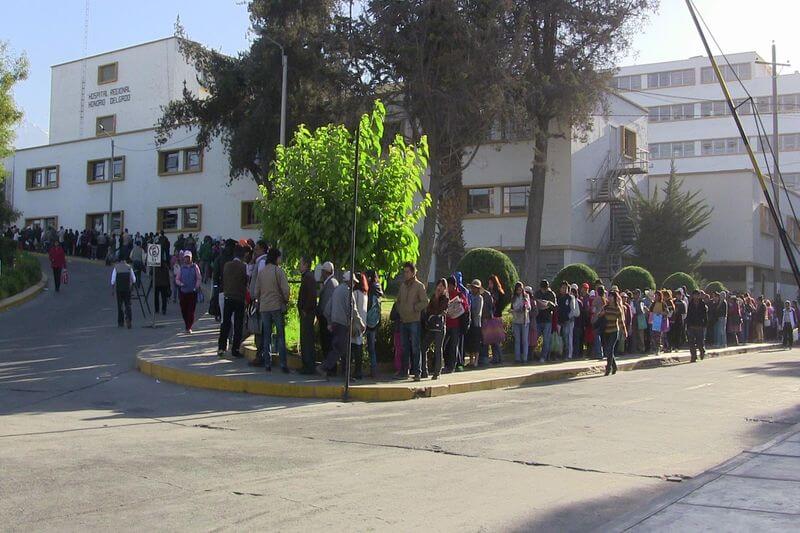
(533, 227)
(452, 207)
(428, 237)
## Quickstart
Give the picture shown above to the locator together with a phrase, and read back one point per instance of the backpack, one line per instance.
(374, 312)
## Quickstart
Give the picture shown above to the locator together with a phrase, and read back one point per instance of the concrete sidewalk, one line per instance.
(192, 360)
(759, 490)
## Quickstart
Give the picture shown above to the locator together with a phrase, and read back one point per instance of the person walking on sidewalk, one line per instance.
(696, 323)
(788, 324)
(235, 282)
(188, 281)
(411, 301)
(307, 306)
(161, 282)
(615, 326)
(272, 293)
(122, 280)
(58, 262)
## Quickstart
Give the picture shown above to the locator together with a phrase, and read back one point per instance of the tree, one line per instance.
(576, 273)
(678, 280)
(663, 225)
(441, 61)
(309, 211)
(243, 103)
(564, 52)
(12, 70)
(481, 263)
(634, 277)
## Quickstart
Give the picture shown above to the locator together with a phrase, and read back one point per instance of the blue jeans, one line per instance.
(598, 345)
(520, 342)
(544, 329)
(268, 318)
(722, 340)
(373, 355)
(484, 354)
(409, 335)
(566, 337)
(610, 344)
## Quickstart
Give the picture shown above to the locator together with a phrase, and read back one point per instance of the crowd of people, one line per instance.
(454, 327)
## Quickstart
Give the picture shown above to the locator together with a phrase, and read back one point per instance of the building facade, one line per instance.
(690, 123)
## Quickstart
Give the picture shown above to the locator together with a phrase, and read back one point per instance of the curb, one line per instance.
(378, 393)
(24, 296)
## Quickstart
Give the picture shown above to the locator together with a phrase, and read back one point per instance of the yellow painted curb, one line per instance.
(20, 298)
(429, 389)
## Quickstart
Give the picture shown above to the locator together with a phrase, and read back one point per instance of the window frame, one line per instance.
(99, 132)
(667, 75)
(183, 159)
(506, 208)
(186, 151)
(180, 224)
(108, 168)
(45, 173)
(243, 218)
(492, 205)
(104, 214)
(766, 224)
(114, 64)
(28, 221)
(626, 136)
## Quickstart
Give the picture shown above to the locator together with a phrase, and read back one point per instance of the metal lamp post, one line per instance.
(111, 185)
(284, 76)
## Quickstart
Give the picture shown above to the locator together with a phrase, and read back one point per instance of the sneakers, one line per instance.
(220, 353)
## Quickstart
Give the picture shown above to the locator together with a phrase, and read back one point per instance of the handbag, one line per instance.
(556, 344)
(657, 320)
(201, 297)
(455, 308)
(65, 277)
(493, 331)
(767, 322)
(435, 323)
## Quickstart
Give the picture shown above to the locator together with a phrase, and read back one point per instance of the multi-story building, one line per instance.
(690, 124)
(118, 96)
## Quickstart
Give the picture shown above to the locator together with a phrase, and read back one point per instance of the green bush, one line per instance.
(25, 273)
(678, 280)
(8, 249)
(715, 286)
(634, 277)
(575, 273)
(480, 263)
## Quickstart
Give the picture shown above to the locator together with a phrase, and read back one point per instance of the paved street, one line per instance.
(89, 443)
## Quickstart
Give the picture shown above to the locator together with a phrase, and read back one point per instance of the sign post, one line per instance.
(153, 261)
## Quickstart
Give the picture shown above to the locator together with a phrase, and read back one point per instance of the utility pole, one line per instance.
(776, 149)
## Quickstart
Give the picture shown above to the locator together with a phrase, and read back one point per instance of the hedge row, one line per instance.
(25, 272)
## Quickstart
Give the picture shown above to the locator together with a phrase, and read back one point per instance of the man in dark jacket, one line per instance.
(696, 322)
(329, 284)
(307, 306)
(234, 279)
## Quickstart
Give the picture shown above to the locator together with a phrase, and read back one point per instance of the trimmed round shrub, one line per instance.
(715, 286)
(634, 277)
(678, 280)
(480, 263)
(575, 273)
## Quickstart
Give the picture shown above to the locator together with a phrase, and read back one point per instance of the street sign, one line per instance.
(153, 255)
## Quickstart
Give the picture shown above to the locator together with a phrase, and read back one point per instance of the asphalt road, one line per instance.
(86, 442)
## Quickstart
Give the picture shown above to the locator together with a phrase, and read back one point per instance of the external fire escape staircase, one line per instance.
(610, 188)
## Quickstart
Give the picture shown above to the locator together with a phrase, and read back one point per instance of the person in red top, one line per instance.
(453, 327)
(58, 261)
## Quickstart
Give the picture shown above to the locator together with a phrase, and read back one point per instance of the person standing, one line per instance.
(788, 324)
(58, 262)
(734, 319)
(341, 307)
(474, 340)
(567, 311)
(614, 327)
(329, 284)
(235, 281)
(696, 323)
(520, 320)
(272, 293)
(358, 326)
(373, 319)
(759, 316)
(307, 306)
(188, 282)
(435, 324)
(161, 276)
(545, 301)
(658, 314)
(122, 280)
(722, 320)
(254, 265)
(411, 301)
(639, 322)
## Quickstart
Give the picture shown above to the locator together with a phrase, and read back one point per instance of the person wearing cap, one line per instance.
(272, 293)
(696, 323)
(545, 303)
(188, 281)
(329, 284)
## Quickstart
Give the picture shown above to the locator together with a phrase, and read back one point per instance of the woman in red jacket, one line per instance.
(58, 262)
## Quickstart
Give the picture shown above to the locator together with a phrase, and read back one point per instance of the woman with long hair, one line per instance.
(495, 288)
(520, 312)
(615, 327)
(435, 325)
(658, 314)
(669, 303)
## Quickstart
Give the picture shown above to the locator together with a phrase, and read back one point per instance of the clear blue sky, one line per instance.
(51, 32)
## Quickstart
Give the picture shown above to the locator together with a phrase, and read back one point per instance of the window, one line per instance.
(664, 113)
(673, 150)
(515, 199)
(742, 70)
(766, 222)
(97, 221)
(627, 82)
(793, 229)
(181, 161)
(192, 160)
(249, 215)
(179, 218)
(675, 78)
(788, 103)
(480, 201)
(42, 222)
(42, 178)
(789, 142)
(107, 73)
(106, 125)
(97, 170)
(791, 180)
(628, 143)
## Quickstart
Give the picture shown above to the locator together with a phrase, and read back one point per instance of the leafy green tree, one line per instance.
(243, 102)
(634, 277)
(12, 70)
(579, 273)
(310, 209)
(481, 263)
(715, 286)
(664, 225)
(563, 55)
(678, 280)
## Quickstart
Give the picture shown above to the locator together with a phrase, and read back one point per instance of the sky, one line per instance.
(51, 32)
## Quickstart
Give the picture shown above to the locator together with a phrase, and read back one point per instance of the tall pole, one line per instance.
(352, 262)
(285, 65)
(111, 194)
(776, 190)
